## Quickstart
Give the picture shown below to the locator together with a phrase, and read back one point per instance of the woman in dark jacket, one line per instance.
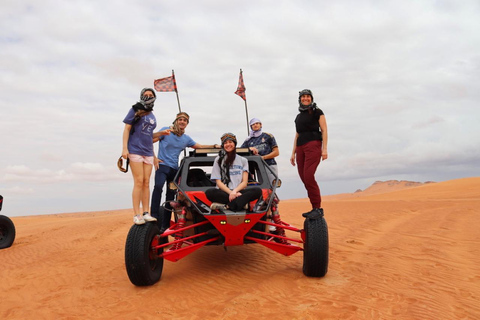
(309, 148)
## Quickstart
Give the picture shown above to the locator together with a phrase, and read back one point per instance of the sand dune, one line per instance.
(408, 253)
(379, 187)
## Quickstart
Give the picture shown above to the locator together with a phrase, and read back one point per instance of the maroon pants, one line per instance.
(308, 158)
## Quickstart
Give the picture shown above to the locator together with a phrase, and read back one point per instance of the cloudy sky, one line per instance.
(399, 82)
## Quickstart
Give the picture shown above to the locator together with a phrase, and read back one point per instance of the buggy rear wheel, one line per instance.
(144, 266)
(315, 251)
(7, 232)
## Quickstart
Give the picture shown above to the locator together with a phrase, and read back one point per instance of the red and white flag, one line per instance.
(165, 84)
(241, 87)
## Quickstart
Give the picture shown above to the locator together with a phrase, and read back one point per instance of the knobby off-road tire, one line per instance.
(7, 232)
(315, 250)
(144, 267)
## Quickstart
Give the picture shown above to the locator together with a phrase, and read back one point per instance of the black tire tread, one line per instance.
(315, 254)
(137, 250)
(8, 230)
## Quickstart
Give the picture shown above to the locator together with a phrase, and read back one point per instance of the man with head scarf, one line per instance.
(166, 164)
(263, 144)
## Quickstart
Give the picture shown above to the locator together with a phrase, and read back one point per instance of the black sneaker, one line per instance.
(315, 213)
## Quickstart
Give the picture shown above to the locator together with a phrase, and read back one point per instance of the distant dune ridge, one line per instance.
(398, 250)
(390, 185)
(379, 187)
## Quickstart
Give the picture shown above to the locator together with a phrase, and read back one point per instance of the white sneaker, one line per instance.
(148, 217)
(138, 219)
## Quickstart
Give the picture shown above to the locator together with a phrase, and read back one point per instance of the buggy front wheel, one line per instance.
(7, 232)
(315, 251)
(143, 264)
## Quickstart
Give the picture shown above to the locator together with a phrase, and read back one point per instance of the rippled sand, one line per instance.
(395, 253)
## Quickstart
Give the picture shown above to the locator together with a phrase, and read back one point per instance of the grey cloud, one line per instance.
(398, 82)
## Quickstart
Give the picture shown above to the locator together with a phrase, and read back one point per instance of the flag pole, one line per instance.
(241, 92)
(246, 113)
(176, 91)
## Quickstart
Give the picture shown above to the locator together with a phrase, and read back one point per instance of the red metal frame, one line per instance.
(233, 227)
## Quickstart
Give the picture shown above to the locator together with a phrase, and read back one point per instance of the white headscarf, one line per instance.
(255, 134)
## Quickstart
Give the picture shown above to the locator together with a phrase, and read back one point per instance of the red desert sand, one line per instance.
(411, 253)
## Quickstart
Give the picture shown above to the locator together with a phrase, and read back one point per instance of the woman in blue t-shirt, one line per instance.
(138, 148)
(309, 148)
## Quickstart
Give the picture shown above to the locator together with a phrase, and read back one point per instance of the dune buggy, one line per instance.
(7, 229)
(195, 225)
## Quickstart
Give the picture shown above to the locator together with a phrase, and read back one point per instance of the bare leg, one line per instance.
(137, 173)
(147, 172)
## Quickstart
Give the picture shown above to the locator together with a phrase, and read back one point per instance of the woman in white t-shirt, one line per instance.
(230, 173)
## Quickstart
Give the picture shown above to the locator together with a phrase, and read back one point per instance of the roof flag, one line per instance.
(165, 84)
(241, 92)
(241, 87)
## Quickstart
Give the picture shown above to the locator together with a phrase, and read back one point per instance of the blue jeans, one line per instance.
(163, 175)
